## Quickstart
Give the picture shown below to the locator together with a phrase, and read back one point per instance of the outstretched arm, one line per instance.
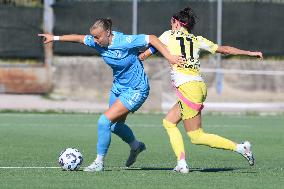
(153, 40)
(69, 38)
(235, 51)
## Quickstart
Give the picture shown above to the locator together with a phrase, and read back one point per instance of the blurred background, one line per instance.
(71, 77)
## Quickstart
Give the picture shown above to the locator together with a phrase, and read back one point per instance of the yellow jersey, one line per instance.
(181, 42)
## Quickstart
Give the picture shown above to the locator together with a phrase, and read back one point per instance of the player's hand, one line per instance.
(142, 57)
(174, 59)
(47, 38)
(256, 54)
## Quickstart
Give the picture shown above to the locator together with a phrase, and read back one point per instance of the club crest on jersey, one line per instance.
(117, 53)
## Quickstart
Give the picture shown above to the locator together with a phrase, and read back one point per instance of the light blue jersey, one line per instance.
(122, 56)
(130, 83)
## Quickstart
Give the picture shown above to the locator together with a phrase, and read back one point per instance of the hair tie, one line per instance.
(181, 23)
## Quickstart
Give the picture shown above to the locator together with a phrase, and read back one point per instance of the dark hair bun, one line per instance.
(187, 11)
(187, 17)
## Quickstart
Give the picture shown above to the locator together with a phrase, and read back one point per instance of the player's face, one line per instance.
(174, 24)
(101, 36)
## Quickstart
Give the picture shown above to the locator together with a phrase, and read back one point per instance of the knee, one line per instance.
(195, 136)
(104, 121)
(168, 125)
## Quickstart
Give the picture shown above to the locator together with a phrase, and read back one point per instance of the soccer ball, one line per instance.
(70, 159)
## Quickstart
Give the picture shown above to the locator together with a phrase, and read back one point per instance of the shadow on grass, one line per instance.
(207, 170)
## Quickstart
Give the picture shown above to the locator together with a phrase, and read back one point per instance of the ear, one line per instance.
(108, 33)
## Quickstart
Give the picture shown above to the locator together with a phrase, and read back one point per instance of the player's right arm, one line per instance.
(152, 50)
(146, 54)
(68, 38)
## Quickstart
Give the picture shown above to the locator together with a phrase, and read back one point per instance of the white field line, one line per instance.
(60, 167)
(107, 167)
(30, 168)
(154, 166)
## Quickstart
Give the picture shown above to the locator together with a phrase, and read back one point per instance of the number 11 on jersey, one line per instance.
(182, 47)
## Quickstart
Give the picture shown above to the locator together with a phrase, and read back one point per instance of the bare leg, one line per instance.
(173, 115)
(193, 123)
(117, 112)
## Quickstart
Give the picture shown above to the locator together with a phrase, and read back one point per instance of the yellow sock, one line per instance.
(214, 141)
(175, 139)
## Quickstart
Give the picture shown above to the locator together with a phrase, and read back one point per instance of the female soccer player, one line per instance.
(130, 85)
(191, 89)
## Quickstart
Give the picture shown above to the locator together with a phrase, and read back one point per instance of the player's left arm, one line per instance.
(207, 45)
(228, 50)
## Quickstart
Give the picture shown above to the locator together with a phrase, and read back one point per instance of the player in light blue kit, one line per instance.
(130, 85)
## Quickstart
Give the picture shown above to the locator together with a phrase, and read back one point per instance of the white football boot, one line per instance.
(246, 152)
(95, 167)
(181, 167)
(134, 153)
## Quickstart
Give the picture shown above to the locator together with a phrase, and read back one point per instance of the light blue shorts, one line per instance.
(132, 99)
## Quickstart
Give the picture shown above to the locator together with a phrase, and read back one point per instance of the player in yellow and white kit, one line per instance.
(191, 89)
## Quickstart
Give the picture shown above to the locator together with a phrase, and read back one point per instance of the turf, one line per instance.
(35, 140)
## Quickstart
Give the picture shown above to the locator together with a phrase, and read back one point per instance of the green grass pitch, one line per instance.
(30, 141)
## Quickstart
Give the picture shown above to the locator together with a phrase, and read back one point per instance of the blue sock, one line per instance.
(123, 131)
(104, 135)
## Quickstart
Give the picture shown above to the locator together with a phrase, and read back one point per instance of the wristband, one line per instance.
(55, 38)
(152, 49)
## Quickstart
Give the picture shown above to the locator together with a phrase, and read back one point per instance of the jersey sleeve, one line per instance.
(207, 45)
(138, 41)
(164, 38)
(89, 41)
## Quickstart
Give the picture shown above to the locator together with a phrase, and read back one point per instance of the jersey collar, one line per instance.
(114, 33)
(184, 30)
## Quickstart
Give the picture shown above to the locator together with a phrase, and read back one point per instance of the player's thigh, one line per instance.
(196, 93)
(112, 98)
(117, 111)
(133, 99)
(192, 124)
(129, 100)
(173, 115)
